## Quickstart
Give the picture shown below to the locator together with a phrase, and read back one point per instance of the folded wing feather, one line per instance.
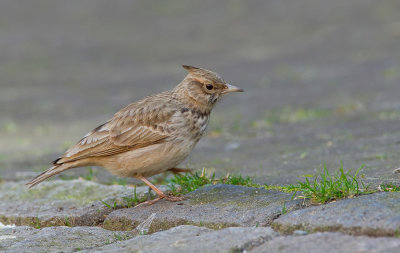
(130, 128)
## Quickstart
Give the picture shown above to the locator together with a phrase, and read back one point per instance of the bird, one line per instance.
(149, 136)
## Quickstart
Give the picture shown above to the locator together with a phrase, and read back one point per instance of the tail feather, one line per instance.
(48, 173)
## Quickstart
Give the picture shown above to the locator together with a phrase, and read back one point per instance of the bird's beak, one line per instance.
(230, 88)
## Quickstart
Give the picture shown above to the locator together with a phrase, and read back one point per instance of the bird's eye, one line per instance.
(209, 86)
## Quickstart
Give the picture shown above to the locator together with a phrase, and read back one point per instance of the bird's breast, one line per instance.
(197, 124)
(202, 124)
(189, 123)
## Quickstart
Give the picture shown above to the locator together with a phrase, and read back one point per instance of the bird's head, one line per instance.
(203, 87)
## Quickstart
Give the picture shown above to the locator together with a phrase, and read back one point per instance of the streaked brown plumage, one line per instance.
(149, 136)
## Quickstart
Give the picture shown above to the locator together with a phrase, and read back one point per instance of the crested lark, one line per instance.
(149, 136)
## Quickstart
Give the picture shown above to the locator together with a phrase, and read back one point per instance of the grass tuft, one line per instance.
(128, 201)
(325, 187)
(389, 187)
(320, 188)
(182, 184)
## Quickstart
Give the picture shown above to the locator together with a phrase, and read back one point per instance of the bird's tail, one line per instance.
(58, 168)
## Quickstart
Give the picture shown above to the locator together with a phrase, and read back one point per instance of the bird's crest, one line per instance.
(190, 68)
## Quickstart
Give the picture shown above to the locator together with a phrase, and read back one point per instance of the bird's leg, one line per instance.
(179, 170)
(160, 194)
(152, 186)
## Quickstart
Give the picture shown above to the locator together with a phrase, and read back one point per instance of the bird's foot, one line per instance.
(149, 202)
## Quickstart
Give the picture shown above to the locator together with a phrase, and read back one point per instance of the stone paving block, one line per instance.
(329, 242)
(375, 214)
(216, 206)
(56, 239)
(193, 239)
(55, 203)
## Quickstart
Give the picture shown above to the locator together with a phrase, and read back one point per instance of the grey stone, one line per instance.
(56, 239)
(329, 242)
(71, 203)
(215, 206)
(300, 232)
(194, 239)
(376, 214)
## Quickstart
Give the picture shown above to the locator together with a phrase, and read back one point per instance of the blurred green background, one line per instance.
(322, 80)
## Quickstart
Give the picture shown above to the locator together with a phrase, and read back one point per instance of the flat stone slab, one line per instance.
(193, 239)
(216, 206)
(375, 214)
(55, 203)
(328, 242)
(56, 239)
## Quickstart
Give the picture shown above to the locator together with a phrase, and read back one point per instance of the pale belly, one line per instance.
(148, 161)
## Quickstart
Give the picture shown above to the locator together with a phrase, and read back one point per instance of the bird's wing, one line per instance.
(95, 143)
(138, 125)
(142, 125)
